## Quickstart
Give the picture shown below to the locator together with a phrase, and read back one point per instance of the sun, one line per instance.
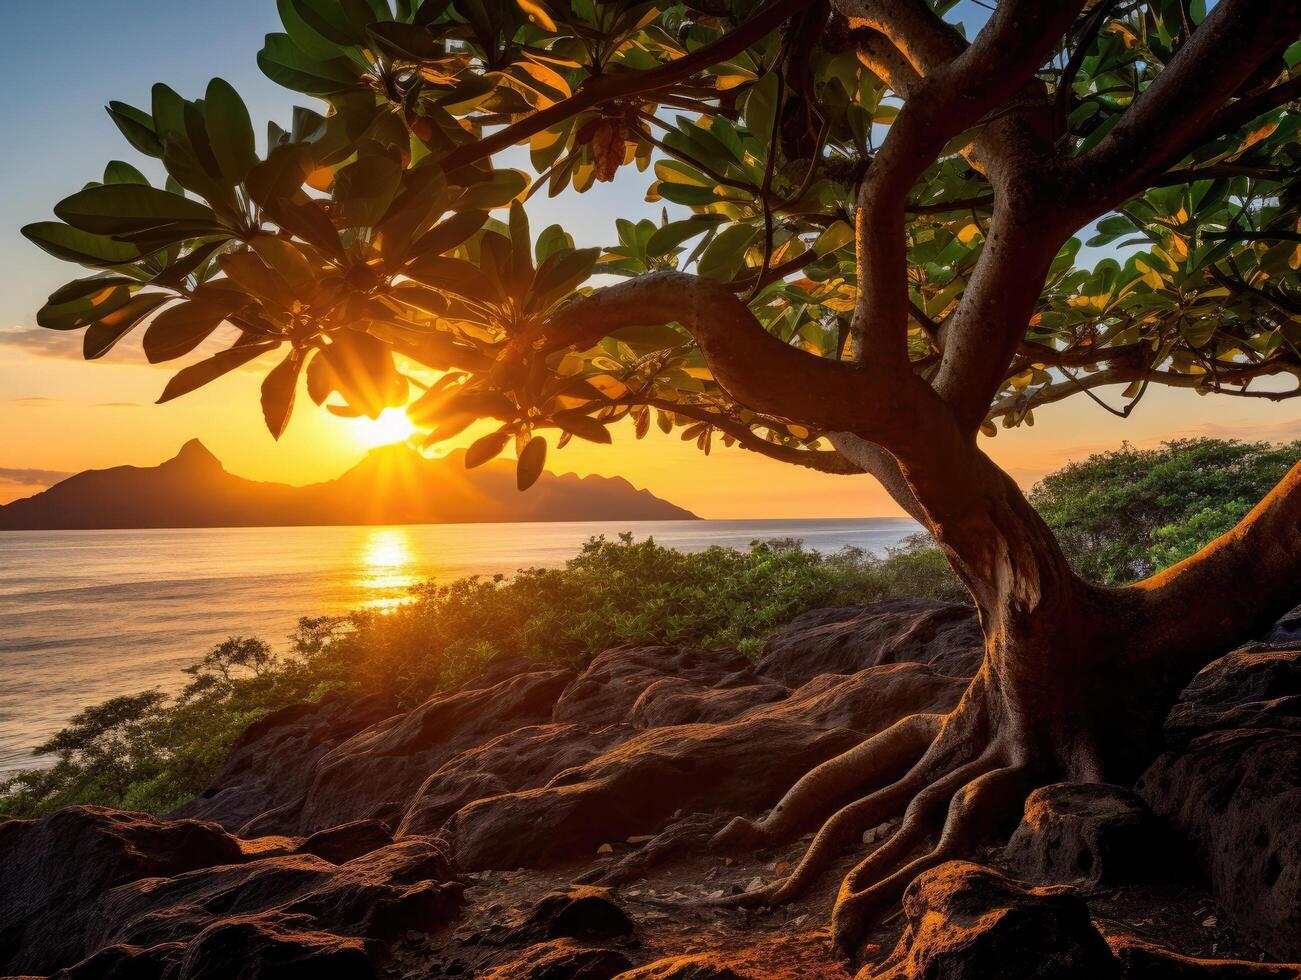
(391, 426)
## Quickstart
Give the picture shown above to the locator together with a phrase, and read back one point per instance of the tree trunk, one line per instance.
(1074, 686)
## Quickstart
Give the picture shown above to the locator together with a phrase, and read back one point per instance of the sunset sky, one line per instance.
(59, 414)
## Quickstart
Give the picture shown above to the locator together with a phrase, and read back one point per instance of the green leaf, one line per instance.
(279, 178)
(582, 425)
(447, 235)
(211, 368)
(485, 448)
(114, 209)
(285, 63)
(278, 389)
(560, 275)
(726, 253)
(73, 245)
(178, 330)
(531, 461)
(495, 192)
(81, 311)
(108, 330)
(79, 288)
(521, 249)
(363, 190)
(137, 126)
(673, 234)
(406, 41)
(837, 236)
(117, 172)
(229, 131)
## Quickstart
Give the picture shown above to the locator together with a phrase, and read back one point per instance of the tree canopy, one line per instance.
(379, 247)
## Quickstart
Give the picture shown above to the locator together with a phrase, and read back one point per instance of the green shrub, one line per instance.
(148, 752)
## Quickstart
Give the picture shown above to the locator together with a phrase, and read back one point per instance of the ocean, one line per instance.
(88, 615)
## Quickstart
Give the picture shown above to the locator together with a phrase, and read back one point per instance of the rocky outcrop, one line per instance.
(387, 762)
(967, 922)
(135, 894)
(1088, 833)
(1230, 784)
(945, 635)
(271, 762)
(53, 870)
(562, 959)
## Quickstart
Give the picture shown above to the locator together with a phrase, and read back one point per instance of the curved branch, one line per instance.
(824, 461)
(599, 89)
(1260, 556)
(1181, 108)
(752, 366)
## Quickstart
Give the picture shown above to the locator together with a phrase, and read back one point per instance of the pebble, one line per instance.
(605, 849)
(755, 884)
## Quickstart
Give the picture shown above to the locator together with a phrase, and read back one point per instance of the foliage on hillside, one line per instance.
(1124, 514)
(148, 753)
(1120, 515)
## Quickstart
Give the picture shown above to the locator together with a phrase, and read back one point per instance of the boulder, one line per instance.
(1287, 629)
(409, 885)
(341, 844)
(270, 763)
(679, 701)
(273, 947)
(945, 635)
(523, 759)
(1088, 833)
(868, 701)
(605, 693)
(635, 788)
(53, 869)
(967, 922)
(389, 761)
(562, 959)
(577, 912)
(1230, 784)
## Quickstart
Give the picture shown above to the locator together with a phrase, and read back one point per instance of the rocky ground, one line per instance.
(543, 823)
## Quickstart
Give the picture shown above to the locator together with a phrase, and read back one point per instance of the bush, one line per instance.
(1122, 515)
(147, 752)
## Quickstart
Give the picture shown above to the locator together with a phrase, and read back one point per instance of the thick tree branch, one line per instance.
(752, 366)
(1181, 108)
(1187, 611)
(600, 89)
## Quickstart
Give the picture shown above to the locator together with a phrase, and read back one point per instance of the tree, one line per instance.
(883, 268)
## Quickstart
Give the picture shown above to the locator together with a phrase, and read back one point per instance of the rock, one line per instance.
(389, 761)
(868, 701)
(1234, 792)
(967, 922)
(1256, 687)
(1091, 833)
(678, 701)
(1287, 629)
(637, 786)
(562, 959)
(605, 693)
(127, 963)
(273, 947)
(270, 763)
(578, 912)
(945, 635)
(53, 869)
(341, 844)
(704, 966)
(523, 759)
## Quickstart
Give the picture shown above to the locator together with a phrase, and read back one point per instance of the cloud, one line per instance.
(38, 342)
(31, 478)
(41, 401)
(1283, 430)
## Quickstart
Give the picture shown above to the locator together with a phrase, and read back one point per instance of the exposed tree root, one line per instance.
(965, 775)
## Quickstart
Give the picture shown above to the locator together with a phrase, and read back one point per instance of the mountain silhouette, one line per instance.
(391, 485)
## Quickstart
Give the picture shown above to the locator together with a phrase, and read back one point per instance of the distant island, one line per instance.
(392, 485)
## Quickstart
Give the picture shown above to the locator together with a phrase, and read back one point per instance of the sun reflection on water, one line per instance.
(386, 567)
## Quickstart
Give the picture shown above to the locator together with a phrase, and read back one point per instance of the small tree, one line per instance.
(883, 267)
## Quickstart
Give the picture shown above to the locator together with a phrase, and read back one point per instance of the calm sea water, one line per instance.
(88, 615)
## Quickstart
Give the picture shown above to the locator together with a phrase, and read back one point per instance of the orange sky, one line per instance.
(59, 413)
